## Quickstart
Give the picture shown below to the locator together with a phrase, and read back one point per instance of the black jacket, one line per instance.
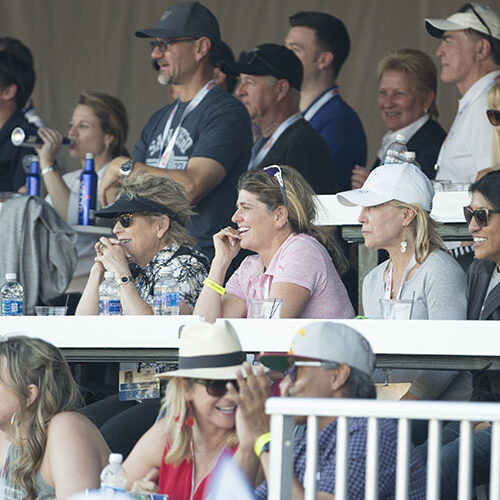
(426, 142)
(485, 384)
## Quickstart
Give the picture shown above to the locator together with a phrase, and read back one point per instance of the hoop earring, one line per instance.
(404, 241)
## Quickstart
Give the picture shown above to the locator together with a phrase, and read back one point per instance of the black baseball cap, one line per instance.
(268, 59)
(125, 204)
(189, 19)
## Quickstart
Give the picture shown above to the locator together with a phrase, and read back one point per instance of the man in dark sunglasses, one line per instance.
(470, 58)
(269, 87)
(326, 360)
(203, 139)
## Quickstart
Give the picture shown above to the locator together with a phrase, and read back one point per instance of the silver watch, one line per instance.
(126, 168)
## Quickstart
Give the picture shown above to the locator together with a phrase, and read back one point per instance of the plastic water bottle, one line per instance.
(113, 476)
(12, 301)
(88, 193)
(109, 295)
(166, 295)
(395, 151)
(33, 178)
(411, 157)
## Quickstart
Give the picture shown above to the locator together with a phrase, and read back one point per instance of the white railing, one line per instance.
(284, 410)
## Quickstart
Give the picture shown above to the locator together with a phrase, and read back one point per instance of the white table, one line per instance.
(409, 344)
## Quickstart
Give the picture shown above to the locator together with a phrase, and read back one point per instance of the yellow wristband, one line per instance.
(260, 442)
(214, 286)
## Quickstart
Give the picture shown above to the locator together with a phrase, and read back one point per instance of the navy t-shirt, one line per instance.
(342, 130)
(14, 160)
(218, 128)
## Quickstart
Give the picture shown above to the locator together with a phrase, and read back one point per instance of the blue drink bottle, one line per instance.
(88, 193)
(33, 178)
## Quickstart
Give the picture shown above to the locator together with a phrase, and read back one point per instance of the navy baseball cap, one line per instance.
(268, 59)
(189, 19)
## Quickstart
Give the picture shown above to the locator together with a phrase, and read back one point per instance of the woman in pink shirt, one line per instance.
(295, 260)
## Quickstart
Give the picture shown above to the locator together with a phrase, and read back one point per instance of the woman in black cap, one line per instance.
(153, 236)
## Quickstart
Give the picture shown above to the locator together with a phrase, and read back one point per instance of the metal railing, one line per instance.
(284, 410)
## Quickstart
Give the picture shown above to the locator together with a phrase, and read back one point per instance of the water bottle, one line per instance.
(166, 295)
(12, 302)
(33, 178)
(411, 157)
(88, 193)
(109, 295)
(395, 151)
(29, 137)
(113, 476)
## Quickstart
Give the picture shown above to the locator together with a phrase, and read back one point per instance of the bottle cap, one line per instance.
(109, 274)
(401, 138)
(89, 156)
(115, 458)
(11, 276)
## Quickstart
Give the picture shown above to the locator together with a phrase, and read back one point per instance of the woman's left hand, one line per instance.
(112, 256)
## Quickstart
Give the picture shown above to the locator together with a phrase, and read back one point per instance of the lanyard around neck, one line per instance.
(388, 283)
(259, 154)
(190, 107)
(314, 108)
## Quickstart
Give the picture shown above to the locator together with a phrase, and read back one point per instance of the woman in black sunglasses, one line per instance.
(483, 303)
(179, 453)
(493, 114)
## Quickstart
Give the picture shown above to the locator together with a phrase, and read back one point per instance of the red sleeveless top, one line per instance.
(176, 481)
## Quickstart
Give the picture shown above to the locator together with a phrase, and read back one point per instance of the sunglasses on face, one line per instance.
(493, 117)
(217, 388)
(124, 219)
(162, 45)
(275, 171)
(292, 371)
(480, 215)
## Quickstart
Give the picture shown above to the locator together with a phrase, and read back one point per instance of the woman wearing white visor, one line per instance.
(396, 201)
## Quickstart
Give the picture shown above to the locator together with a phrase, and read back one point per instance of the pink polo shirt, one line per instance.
(300, 260)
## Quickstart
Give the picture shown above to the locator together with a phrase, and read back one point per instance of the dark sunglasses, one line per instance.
(217, 388)
(469, 6)
(292, 371)
(480, 215)
(163, 44)
(493, 116)
(124, 219)
(275, 171)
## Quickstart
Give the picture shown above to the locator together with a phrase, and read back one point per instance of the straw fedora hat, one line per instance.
(208, 351)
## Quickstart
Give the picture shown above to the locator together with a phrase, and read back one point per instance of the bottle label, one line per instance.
(12, 307)
(111, 490)
(109, 307)
(172, 299)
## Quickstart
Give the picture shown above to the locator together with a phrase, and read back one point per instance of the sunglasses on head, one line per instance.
(275, 171)
(163, 44)
(253, 56)
(469, 6)
(480, 215)
(493, 117)
(292, 371)
(124, 219)
(217, 388)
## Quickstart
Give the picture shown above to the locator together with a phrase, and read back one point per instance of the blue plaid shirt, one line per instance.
(357, 458)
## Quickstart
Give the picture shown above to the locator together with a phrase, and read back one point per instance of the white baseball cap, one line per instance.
(325, 341)
(396, 181)
(476, 16)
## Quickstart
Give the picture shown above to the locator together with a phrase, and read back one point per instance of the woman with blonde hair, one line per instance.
(396, 201)
(407, 88)
(47, 448)
(99, 125)
(295, 260)
(179, 453)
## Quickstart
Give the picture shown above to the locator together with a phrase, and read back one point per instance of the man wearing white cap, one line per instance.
(326, 360)
(470, 58)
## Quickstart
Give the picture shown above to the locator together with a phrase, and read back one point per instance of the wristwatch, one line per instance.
(126, 168)
(123, 280)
